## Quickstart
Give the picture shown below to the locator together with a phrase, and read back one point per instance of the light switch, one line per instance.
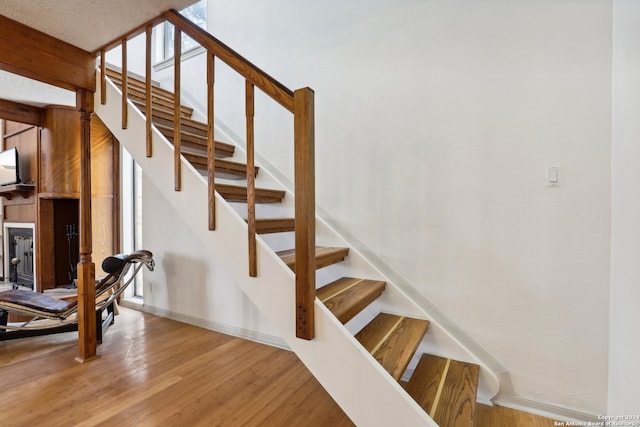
(553, 176)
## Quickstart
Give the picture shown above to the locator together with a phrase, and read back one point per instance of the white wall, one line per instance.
(624, 341)
(188, 282)
(435, 122)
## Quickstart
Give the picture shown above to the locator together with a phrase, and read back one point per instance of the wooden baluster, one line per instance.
(251, 174)
(304, 141)
(211, 144)
(177, 51)
(103, 77)
(125, 81)
(87, 341)
(148, 99)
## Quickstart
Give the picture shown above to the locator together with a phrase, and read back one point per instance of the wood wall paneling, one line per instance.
(19, 213)
(105, 186)
(45, 255)
(51, 155)
(60, 152)
(101, 159)
(11, 127)
(102, 230)
(24, 138)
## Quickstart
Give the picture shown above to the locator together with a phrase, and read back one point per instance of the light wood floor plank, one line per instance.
(499, 416)
(158, 372)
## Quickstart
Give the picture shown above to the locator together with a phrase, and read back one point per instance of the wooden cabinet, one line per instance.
(51, 155)
(59, 154)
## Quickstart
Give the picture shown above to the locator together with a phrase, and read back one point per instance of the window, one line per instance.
(196, 13)
(132, 216)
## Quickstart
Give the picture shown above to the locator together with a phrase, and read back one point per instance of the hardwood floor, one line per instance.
(499, 416)
(158, 372)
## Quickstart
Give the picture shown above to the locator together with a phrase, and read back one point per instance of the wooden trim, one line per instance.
(87, 338)
(125, 86)
(103, 77)
(22, 113)
(31, 53)
(304, 141)
(59, 196)
(211, 145)
(149, 92)
(177, 147)
(255, 75)
(16, 132)
(38, 229)
(251, 176)
(22, 190)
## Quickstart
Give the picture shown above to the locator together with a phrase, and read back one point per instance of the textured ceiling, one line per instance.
(87, 24)
(26, 91)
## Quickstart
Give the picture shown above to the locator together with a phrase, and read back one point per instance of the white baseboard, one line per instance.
(548, 410)
(234, 331)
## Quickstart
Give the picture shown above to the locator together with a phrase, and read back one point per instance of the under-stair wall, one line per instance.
(364, 390)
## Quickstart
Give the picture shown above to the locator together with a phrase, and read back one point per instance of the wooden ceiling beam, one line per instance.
(31, 53)
(21, 113)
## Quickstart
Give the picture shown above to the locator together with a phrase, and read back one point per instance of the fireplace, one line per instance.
(19, 255)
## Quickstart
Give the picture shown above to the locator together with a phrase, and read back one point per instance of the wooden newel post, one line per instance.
(305, 202)
(87, 343)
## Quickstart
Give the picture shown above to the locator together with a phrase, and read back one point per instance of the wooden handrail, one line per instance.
(255, 75)
(129, 35)
(300, 103)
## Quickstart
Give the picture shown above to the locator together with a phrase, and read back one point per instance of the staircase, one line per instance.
(445, 388)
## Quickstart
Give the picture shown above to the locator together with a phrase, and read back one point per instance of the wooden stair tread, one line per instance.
(164, 110)
(135, 79)
(139, 97)
(348, 296)
(325, 256)
(393, 340)
(275, 225)
(224, 168)
(446, 389)
(199, 142)
(237, 193)
(140, 85)
(164, 117)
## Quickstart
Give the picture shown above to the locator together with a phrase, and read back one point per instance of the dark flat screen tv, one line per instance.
(9, 167)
